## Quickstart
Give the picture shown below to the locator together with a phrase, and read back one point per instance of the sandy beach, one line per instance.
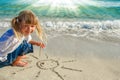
(83, 39)
(69, 58)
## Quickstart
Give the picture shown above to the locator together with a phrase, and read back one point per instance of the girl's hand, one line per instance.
(40, 44)
(37, 43)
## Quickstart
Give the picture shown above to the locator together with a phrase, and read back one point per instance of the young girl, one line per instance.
(17, 41)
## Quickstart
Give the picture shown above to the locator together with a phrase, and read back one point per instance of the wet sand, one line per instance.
(69, 58)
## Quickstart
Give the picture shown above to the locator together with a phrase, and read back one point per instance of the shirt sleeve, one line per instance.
(5, 40)
(6, 35)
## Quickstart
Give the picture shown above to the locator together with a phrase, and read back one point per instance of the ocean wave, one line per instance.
(5, 23)
(99, 30)
(108, 3)
(79, 24)
(104, 30)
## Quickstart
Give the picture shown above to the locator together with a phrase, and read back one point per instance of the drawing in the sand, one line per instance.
(49, 64)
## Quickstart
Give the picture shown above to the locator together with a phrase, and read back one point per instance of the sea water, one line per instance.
(92, 19)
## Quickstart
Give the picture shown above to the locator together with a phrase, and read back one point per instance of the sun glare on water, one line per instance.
(63, 3)
(62, 7)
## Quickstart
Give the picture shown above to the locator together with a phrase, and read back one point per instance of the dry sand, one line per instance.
(69, 58)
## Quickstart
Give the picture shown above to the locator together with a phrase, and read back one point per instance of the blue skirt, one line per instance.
(23, 49)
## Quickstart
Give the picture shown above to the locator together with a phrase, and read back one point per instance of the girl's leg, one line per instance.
(24, 48)
(11, 57)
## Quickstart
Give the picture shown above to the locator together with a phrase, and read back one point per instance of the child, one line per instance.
(17, 41)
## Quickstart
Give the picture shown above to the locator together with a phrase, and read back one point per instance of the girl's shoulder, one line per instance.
(9, 32)
(7, 35)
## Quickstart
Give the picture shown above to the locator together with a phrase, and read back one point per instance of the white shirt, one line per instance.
(8, 43)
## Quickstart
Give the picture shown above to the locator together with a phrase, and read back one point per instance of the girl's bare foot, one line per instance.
(19, 63)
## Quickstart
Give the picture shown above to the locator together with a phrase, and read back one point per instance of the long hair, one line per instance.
(27, 17)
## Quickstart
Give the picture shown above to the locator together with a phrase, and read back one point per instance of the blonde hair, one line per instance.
(27, 17)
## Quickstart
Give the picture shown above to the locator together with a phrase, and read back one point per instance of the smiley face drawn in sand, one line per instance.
(47, 64)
